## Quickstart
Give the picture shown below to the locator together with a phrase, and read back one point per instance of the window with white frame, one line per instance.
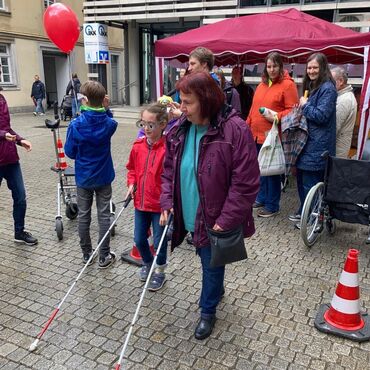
(5, 62)
(2, 4)
(47, 2)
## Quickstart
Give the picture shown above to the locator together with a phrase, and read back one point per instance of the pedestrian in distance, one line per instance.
(210, 177)
(145, 167)
(73, 88)
(89, 144)
(232, 96)
(278, 92)
(245, 91)
(182, 73)
(319, 108)
(38, 95)
(10, 170)
(346, 111)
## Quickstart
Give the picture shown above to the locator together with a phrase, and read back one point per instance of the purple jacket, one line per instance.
(228, 177)
(8, 150)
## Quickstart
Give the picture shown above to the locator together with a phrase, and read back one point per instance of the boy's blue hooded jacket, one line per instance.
(88, 143)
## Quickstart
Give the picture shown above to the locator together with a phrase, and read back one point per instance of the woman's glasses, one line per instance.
(144, 124)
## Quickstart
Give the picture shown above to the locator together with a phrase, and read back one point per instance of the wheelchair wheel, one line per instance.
(71, 210)
(330, 226)
(312, 217)
(59, 228)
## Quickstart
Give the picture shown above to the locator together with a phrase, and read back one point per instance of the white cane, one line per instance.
(164, 234)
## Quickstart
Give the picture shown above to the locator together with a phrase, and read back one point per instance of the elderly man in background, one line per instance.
(346, 112)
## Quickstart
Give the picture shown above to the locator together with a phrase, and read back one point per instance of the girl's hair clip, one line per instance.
(165, 100)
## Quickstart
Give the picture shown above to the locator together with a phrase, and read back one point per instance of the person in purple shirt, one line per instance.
(10, 170)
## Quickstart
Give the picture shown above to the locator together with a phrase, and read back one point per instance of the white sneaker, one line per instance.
(34, 113)
(42, 114)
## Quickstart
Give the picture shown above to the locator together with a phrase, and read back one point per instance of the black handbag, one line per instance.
(226, 246)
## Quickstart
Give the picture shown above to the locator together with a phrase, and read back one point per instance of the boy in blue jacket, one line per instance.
(89, 144)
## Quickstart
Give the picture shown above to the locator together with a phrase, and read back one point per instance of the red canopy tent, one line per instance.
(294, 34)
(250, 38)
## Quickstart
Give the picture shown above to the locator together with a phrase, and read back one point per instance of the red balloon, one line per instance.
(62, 27)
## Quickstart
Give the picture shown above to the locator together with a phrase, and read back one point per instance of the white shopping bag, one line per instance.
(271, 156)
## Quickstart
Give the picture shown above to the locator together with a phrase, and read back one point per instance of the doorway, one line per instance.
(101, 70)
(115, 79)
(56, 75)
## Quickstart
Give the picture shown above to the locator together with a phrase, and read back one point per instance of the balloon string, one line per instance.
(70, 73)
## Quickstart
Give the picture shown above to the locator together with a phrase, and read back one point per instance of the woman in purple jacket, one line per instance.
(10, 170)
(211, 176)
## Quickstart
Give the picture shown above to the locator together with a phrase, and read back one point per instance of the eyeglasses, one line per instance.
(148, 125)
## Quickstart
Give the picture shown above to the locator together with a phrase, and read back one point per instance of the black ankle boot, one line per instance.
(204, 328)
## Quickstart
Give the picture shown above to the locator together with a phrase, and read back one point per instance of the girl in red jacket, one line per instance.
(145, 166)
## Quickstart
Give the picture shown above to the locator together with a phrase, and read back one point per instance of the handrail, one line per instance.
(130, 84)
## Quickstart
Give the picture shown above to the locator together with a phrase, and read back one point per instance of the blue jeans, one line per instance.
(305, 181)
(212, 284)
(39, 107)
(13, 175)
(85, 198)
(270, 190)
(143, 220)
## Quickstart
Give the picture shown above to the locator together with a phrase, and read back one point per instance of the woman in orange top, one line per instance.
(278, 92)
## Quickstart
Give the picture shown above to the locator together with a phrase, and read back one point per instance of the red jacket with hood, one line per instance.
(145, 167)
(281, 96)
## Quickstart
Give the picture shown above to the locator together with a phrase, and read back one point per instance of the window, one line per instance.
(284, 2)
(2, 4)
(6, 76)
(47, 2)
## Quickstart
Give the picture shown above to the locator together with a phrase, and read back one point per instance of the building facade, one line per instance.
(26, 51)
(145, 21)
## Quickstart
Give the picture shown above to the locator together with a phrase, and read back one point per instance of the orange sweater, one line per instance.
(280, 97)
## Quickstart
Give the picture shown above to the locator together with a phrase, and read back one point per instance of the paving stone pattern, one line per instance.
(265, 320)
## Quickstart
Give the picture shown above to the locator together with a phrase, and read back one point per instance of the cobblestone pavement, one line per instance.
(265, 320)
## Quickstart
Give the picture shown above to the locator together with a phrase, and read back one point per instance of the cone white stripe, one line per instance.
(349, 279)
(345, 305)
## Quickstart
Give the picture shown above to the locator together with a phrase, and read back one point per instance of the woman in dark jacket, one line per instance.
(73, 89)
(245, 91)
(320, 111)
(210, 178)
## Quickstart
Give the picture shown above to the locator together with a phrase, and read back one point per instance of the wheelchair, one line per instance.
(344, 195)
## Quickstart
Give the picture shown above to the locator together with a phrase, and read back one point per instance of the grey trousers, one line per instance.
(84, 202)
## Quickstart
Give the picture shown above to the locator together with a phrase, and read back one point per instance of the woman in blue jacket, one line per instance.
(320, 111)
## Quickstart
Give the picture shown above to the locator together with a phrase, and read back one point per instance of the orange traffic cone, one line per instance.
(133, 256)
(343, 317)
(61, 164)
